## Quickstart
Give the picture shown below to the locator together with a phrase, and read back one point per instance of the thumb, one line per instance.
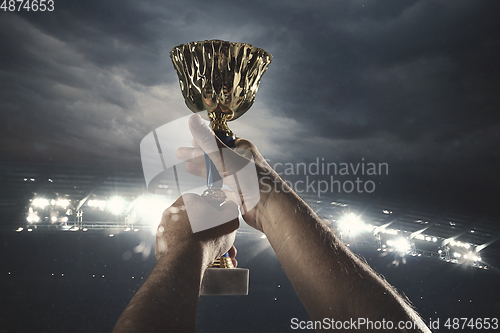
(206, 139)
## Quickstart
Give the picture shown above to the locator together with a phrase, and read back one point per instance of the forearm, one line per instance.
(168, 299)
(329, 279)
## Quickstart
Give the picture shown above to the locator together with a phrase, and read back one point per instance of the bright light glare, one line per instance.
(352, 223)
(390, 231)
(426, 238)
(117, 205)
(149, 209)
(33, 217)
(97, 203)
(40, 203)
(401, 244)
(459, 244)
(62, 203)
(20, 229)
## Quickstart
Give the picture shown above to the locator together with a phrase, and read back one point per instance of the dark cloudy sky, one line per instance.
(414, 84)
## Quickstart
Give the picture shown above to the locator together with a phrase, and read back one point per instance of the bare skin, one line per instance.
(167, 301)
(329, 279)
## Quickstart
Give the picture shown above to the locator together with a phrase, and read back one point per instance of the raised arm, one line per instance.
(329, 279)
(168, 299)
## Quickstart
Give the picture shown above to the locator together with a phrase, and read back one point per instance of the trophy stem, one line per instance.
(214, 193)
(218, 122)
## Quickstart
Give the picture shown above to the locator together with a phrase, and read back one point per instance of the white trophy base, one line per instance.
(225, 281)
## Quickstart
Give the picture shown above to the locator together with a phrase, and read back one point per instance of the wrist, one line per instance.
(273, 190)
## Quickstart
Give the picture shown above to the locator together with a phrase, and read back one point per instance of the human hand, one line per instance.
(174, 234)
(243, 168)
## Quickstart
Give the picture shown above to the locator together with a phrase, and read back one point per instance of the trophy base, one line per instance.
(214, 195)
(220, 281)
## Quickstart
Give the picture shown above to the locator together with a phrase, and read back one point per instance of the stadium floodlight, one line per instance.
(116, 205)
(62, 203)
(97, 203)
(40, 203)
(352, 224)
(472, 256)
(390, 231)
(33, 217)
(459, 244)
(400, 244)
(149, 208)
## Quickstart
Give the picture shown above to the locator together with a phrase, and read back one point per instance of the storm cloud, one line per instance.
(410, 83)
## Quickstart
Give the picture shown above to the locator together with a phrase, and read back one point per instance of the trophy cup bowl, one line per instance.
(222, 78)
(218, 75)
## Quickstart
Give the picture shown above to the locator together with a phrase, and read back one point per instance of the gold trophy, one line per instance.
(222, 78)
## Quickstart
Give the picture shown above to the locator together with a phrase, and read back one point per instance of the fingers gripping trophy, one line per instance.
(221, 78)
